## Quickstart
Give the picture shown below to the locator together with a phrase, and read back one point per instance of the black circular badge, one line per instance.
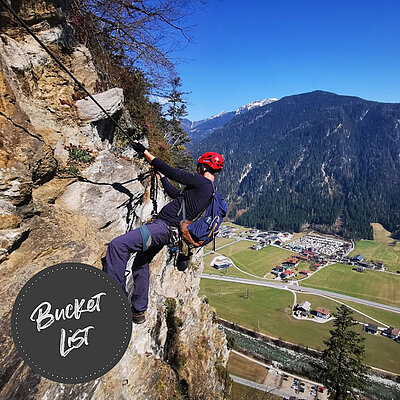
(71, 323)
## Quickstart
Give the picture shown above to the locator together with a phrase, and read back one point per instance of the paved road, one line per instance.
(302, 289)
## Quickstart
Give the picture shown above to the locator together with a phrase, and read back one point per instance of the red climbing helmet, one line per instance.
(214, 160)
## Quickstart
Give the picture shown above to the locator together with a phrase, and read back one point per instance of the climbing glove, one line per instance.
(138, 147)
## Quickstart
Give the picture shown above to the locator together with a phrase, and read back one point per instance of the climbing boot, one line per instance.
(183, 257)
(138, 317)
(182, 262)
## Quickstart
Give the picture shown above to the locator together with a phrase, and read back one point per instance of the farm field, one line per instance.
(244, 368)
(268, 310)
(219, 241)
(296, 235)
(240, 392)
(370, 285)
(257, 263)
(373, 250)
(231, 271)
(238, 227)
(381, 235)
(387, 317)
(254, 262)
(380, 248)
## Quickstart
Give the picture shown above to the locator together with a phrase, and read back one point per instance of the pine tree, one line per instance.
(175, 134)
(342, 368)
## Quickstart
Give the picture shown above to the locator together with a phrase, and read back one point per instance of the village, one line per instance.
(311, 253)
(317, 251)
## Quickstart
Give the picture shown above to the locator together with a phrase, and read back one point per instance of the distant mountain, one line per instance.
(316, 159)
(198, 130)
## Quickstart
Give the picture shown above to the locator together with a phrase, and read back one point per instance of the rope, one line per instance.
(153, 192)
(64, 68)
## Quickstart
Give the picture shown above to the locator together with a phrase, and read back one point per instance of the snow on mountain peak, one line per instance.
(219, 115)
(254, 104)
(248, 107)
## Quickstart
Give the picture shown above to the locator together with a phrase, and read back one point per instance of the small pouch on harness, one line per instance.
(186, 236)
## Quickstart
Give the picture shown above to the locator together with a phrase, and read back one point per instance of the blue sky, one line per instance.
(243, 51)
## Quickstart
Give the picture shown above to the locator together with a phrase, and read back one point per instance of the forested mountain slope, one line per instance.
(315, 159)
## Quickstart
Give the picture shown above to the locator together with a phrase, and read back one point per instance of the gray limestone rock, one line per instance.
(111, 101)
(103, 195)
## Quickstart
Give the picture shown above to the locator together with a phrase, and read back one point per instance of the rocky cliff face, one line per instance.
(48, 215)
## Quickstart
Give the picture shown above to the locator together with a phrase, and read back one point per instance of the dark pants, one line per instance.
(117, 257)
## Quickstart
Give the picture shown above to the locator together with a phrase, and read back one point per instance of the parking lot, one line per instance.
(293, 386)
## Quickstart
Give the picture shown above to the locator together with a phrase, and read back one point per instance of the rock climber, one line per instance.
(149, 239)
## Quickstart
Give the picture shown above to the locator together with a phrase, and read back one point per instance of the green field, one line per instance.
(382, 353)
(219, 241)
(244, 368)
(231, 271)
(373, 250)
(241, 392)
(380, 233)
(256, 262)
(238, 227)
(268, 310)
(370, 285)
(387, 317)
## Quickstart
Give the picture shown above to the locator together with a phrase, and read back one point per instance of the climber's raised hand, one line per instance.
(138, 147)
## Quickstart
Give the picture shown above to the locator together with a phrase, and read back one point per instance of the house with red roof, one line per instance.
(322, 313)
(292, 262)
(287, 274)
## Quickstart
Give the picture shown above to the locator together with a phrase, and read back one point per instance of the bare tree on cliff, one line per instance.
(141, 33)
(343, 370)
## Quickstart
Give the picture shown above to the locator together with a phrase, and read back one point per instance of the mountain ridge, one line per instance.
(198, 130)
(315, 159)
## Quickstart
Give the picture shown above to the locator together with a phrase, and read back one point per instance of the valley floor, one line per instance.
(270, 310)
